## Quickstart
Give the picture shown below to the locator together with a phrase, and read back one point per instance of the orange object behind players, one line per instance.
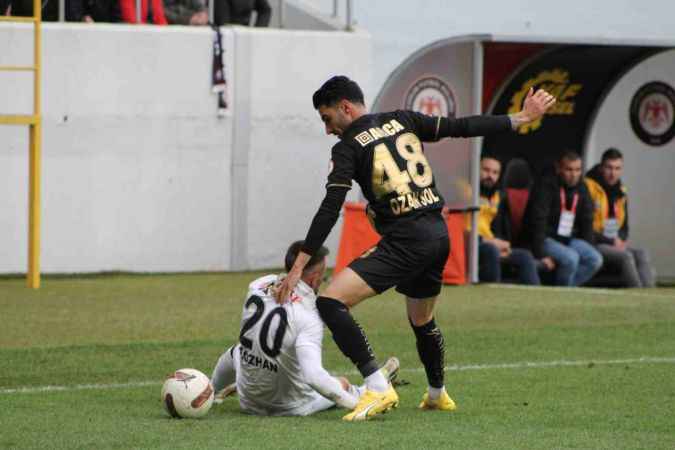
(358, 236)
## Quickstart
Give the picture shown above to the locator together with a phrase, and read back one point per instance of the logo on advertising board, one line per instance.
(557, 83)
(431, 96)
(651, 113)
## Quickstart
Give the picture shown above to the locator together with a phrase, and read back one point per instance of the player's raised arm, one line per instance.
(431, 129)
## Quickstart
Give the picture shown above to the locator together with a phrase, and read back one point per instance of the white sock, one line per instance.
(435, 393)
(377, 382)
(357, 391)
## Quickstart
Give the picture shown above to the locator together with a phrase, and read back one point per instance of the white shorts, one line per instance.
(313, 405)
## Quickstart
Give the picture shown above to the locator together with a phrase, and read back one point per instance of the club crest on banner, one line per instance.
(557, 83)
(431, 96)
(651, 113)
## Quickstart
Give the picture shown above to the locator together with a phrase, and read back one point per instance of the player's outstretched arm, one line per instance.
(323, 223)
(431, 129)
(320, 380)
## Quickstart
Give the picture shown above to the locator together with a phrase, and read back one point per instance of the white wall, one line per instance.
(648, 170)
(399, 27)
(139, 173)
(289, 151)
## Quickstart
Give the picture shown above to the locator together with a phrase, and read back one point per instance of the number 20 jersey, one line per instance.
(268, 371)
(384, 154)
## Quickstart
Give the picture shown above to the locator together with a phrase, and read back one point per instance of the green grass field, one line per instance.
(82, 361)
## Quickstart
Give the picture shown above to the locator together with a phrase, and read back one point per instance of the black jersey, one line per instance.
(384, 154)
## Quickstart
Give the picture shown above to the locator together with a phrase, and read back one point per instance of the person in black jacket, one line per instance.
(561, 221)
(610, 222)
(238, 12)
(494, 231)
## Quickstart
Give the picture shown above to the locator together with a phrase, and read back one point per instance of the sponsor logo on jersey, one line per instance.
(557, 83)
(373, 134)
(651, 113)
(431, 96)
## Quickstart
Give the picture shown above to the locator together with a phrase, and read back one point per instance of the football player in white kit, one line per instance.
(276, 366)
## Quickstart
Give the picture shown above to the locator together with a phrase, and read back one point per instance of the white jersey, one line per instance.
(269, 376)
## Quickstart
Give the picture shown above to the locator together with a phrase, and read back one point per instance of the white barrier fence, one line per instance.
(140, 174)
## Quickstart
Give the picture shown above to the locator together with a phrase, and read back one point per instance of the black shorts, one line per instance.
(414, 267)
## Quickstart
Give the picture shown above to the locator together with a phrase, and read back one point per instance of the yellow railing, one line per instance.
(34, 123)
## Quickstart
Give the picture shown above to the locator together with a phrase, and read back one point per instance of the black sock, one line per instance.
(431, 349)
(347, 334)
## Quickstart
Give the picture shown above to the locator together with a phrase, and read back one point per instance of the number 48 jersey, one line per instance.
(384, 154)
(268, 370)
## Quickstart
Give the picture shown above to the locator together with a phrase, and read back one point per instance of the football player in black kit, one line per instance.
(383, 152)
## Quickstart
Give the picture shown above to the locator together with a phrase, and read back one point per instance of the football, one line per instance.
(187, 393)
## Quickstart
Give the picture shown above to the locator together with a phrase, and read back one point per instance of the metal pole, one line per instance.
(477, 108)
(349, 15)
(138, 11)
(62, 10)
(34, 157)
(282, 6)
(335, 8)
(212, 11)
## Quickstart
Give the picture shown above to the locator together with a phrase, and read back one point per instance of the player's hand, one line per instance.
(535, 105)
(284, 289)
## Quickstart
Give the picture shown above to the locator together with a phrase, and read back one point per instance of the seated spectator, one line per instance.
(152, 11)
(494, 231)
(561, 222)
(610, 222)
(238, 12)
(186, 12)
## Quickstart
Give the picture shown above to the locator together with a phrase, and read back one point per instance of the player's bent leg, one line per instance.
(431, 350)
(224, 375)
(349, 288)
(346, 290)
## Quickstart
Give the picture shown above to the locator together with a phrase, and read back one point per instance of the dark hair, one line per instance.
(569, 155)
(295, 248)
(335, 89)
(611, 154)
(488, 155)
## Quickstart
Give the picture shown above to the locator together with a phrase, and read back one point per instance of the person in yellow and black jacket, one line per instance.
(494, 231)
(610, 222)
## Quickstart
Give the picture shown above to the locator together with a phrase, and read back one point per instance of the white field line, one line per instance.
(452, 368)
(575, 290)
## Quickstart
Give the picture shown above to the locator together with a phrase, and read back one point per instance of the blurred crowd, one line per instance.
(159, 12)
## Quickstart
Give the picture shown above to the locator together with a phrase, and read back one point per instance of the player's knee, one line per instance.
(420, 319)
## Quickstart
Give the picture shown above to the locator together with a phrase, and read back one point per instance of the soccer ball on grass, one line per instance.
(187, 393)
